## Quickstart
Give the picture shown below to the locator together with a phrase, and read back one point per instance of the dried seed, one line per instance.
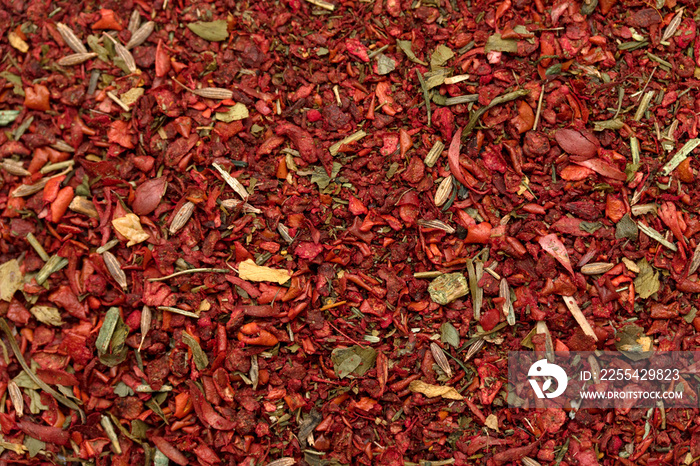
(322, 4)
(124, 54)
(284, 232)
(115, 269)
(673, 26)
(444, 191)
(62, 146)
(474, 348)
(76, 58)
(254, 371)
(146, 316)
(234, 203)
(434, 154)
(16, 397)
(441, 359)
(213, 93)
(181, 217)
(695, 261)
(14, 167)
(134, 21)
(437, 224)
(29, 189)
(232, 182)
(504, 292)
(596, 268)
(140, 36)
(71, 39)
(177, 310)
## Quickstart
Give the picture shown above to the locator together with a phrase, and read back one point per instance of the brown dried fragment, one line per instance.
(83, 205)
(596, 268)
(115, 269)
(76, 58)
(444, 191)
(141, 34)
(181, 217)
(441, 359)
(695, 261)
(71, 39)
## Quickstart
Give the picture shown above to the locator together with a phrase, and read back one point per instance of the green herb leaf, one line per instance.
(214, 31)
(647, 281)
(449, 334)
(406, 46)
(440, 57)
(8, 116)
(235, 113)
(11, 279)
(200, 358)
(590, 227)
(626, 228)
(496, 44)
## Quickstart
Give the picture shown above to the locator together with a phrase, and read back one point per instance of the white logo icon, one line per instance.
(543, 368)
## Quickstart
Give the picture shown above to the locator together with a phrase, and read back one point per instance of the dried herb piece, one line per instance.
(181, 217)
(432, 391)
(47, 315)
(448, 287)
(441, 359)
(647, 281)
(406, 46)
(555, 247)
(214, 31)
(115, 269)
(626, 228)
(497, 44)
(235, 113)
(449, 334)
(353, 361)
(70, 38)
(130, 227)
(200, 358)
(634, 343)
(249, 270)
(11, 279)
(141, 34)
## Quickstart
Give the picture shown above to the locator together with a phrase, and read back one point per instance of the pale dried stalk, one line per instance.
(76, 58)
(323, 4)
(596, 268)
(109, 245)
(181, 217)
(115, 269)
(111, 435)
(232, 182)
(434, 154)
(356, 136)
(146, 317)
(456, 79)
(134, 21)
(437, 224)
(444, 191)
(14, 167)
(124, 54)
(441, 359)
(141, 34)
(53, 265)
(29, 189)
(71, 39)
(16, 397)
(118, 101)
(580, 318)
(651, 233)
(504, 292)
(680, 156)
(673, 26)
(695, 261)
(643, 105)
(530, 462)
(31, 239)
(541, 328)
(177, 310)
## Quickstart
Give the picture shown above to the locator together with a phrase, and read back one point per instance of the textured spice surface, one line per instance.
(347, 152)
